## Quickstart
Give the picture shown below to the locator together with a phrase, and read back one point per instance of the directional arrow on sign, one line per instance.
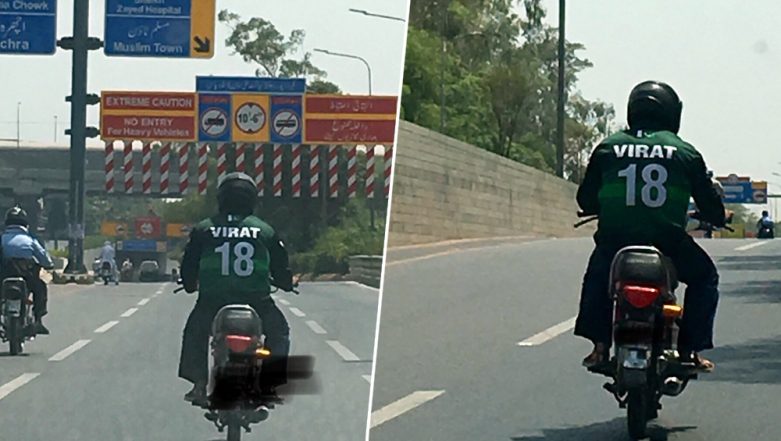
(202, 45)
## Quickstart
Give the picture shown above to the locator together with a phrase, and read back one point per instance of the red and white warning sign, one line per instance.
(148, 116)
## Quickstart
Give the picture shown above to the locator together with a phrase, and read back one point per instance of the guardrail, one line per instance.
(365, 269)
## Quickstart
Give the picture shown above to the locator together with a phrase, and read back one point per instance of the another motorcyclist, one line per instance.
(639, 181)
(229, 259)
(127, 269)
(18, 244)
(765, 226)
(108, 255)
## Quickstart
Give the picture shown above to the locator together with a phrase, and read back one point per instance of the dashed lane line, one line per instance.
(129, 312)
(16, 383)
(297, 312)
(106, 326)
(65, 353)
(315, 327)
(549, 334)
(402, 406)
(346, 354)
(752, 245)
(143, 302)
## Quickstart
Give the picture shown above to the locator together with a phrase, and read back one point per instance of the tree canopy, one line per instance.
(496, 70)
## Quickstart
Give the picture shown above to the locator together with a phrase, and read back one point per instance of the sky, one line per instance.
(723, 57)
(41, 83)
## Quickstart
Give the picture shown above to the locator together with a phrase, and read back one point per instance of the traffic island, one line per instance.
(61, 278)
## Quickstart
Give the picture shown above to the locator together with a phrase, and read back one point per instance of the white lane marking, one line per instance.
(752, 245)
(63, 354)
(16, 383)
(159, 291)
(403, 405)
(315, 327)
(360, 285)
(297, 312)
(106, 326)
(283, 302)
(368, 378)
(129, 312)
(549, 334)
(346, 354)
(143, 302)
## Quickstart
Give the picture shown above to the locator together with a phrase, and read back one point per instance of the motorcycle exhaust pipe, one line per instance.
(673, 386)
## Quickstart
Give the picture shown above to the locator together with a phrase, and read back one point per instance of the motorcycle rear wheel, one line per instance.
(234, 431)
(637, 413)
(15, 336)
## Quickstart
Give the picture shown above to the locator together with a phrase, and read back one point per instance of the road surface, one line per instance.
(449, 366)
(108, 371)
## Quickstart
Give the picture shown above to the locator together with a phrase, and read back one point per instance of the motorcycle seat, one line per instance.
(237, 319)
(644, 265)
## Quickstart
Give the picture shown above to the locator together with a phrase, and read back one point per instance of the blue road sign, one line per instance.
(28, 27)
(138, 245)
(214, 117)
(159, 28)
(269, 86)
(286, 119)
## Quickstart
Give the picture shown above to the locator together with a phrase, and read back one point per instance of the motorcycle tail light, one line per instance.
(640, 296)
(238, 343)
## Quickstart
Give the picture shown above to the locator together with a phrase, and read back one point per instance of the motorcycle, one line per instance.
(16, 319)
(766, 231)
(107, 273)
(645, 364)
(237, 347)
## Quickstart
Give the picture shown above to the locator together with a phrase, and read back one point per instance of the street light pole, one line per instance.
(561, 97)
(355, 57)
(371, 14)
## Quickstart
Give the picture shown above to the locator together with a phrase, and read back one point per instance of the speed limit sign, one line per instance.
(250, 118)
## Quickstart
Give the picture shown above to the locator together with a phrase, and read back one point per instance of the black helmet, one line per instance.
(237, 194)
(16, 216)
(654, 105)
(765, 213)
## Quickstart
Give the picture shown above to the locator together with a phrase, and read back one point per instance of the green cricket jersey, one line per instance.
(234, 255)
(640, 183)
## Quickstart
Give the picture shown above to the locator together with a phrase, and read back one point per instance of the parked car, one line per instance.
(149, 271)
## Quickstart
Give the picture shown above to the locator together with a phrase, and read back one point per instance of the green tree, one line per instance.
(258, 41)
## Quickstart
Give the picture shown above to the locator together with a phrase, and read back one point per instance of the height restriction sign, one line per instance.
(250, 118)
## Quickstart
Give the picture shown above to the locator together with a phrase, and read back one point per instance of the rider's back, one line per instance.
(642, 181)
(234, 256)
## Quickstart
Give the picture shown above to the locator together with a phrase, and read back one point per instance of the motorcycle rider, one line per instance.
(17, 243)
(107, 254)
(229, 259)
(766, 222)
(639, 181)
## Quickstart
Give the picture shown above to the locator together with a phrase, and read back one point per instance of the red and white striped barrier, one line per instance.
(259, 170)
(184, 156)
(314, 172)
(146, 168)
(241, 157)
(388, 166)
(109, 167)
(222, 160)
(295, 179)
(128, 167)
(352, 171)
(277, 170)
(203, 167)
(370, 171)
(165, 165)
(333, 171)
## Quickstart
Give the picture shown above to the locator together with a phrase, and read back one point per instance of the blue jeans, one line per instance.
(694, 267)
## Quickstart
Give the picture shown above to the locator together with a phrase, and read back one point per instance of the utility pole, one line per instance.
(561, 97)
(18, 114)
(80, 43)
(55, 129)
